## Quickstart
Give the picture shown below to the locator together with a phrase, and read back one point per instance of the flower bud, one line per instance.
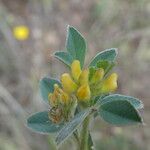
(98, 75)
(84, 93)
(68, 84)
(75, 69)
(84, 77)
(64, 97)
(58, 96)
(52, 99)
(56, 88)
(110, 84)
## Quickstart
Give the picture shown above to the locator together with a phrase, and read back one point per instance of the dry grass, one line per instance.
(105, 24)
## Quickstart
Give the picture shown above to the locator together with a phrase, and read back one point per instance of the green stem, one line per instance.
(84, 134)
(52, 145)
(76, 137)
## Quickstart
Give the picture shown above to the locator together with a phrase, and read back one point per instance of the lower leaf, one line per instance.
(39, 122)
(134, 101)
(119, 112)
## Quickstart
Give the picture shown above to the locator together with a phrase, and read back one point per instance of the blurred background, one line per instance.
(31, 30)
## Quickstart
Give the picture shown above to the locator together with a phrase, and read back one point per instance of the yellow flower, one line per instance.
(68, 84)
(110, 84)
(98, 75)
(58, 96)
(53, 97)
(21, 32)
(64, 97)
(76, 69)
(84, 77)
(84, 93)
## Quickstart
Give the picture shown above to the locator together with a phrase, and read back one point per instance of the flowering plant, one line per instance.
(82, 94)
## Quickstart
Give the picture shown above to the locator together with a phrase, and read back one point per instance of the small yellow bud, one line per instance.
(84, 77)
(68, 84)
(98, 75)
(64, 97)
(21, 32)
(75, 69)
(58, 96)
(52, 99)
(56, 88)
(84, 93)
(49, 96)
(110, 84)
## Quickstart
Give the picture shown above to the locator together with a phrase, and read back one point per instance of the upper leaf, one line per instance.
(71, 126)
(119, 112)
(106, 65)
(65, 57)
(75, 44)
(40, 122)
(47, 86)
(134, 101)
(108, 55)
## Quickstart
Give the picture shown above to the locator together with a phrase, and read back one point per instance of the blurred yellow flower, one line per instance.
(110, 83)
(84, 77)
(21, 32)
(58, 96)
(84, 93)
(76, 69)
(53, 97)
(64, 97)
(68, 84)
(98, 75)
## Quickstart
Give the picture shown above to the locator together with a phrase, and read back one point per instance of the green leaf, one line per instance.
(71, 126)
(108, 55)
(119, 112)
(47, 86)
(39, 122)
(75, 44)
(64, 57)
(134, 101)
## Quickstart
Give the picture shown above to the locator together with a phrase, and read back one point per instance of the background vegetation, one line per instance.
(124, 24)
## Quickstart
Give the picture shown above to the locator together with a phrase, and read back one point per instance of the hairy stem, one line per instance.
(84, 134)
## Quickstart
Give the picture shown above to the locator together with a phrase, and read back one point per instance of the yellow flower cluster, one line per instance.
(78, 83)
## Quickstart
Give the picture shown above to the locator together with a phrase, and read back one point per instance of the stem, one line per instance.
(84, 134)
(52, 145)
(76, 137)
